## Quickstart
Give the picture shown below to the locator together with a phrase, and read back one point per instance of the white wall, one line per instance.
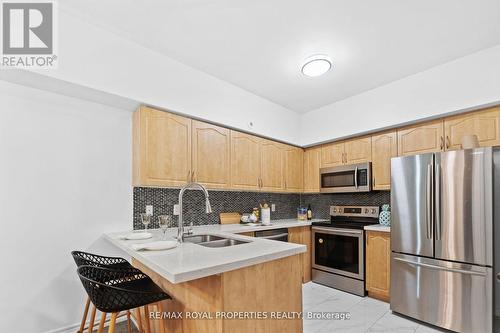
(98, 59)
(461, 84)
(65, 170)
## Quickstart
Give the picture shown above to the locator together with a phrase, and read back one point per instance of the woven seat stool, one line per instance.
(113, 290)
(84, 258)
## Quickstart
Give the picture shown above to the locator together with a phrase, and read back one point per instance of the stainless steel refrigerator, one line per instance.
(442, 238)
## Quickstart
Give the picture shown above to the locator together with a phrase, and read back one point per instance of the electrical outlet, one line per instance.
(176, 209)
(149, 209)
(273, 207)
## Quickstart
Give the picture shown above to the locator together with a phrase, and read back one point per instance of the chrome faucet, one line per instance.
(208, 208)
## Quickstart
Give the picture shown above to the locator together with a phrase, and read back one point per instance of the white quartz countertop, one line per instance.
(378, 227)
(191, 261)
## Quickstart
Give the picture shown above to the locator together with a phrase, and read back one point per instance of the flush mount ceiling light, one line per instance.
(316, 65)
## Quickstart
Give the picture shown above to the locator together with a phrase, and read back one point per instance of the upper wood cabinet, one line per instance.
(485, 124)
(211, 147)
(384, 147)
(312, 162)
(358, 150)
(422, 138)
(294, 164)
(245, 161)
(161, 148)
(271, 166)
(378, 264)
(332, 154)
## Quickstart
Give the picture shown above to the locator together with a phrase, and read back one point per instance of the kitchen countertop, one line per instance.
(190, 261)
(378, 227)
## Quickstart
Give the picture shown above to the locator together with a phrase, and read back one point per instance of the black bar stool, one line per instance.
(84, 258)
(113, 290)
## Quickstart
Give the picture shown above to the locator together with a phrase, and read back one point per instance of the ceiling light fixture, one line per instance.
(316, 65)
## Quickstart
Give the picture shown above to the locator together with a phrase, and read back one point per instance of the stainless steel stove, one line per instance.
(338, 249)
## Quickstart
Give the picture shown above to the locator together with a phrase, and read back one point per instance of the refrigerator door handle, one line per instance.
(498, 277)
(429, 208)
(441, 268)
(438, 201)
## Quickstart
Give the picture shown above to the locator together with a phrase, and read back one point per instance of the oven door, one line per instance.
(346, 178)
(339, 251)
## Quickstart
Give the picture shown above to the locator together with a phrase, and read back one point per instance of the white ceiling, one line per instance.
(259, 45)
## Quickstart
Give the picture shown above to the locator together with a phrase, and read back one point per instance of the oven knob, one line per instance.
(374, 211)
(367, 210)
(320, 240)
(335, 210)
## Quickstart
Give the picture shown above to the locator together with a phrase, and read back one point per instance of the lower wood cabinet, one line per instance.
(302, 235)
(378, 264)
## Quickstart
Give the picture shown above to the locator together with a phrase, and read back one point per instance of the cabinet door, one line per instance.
(211, 155)
(271, 166)
(312, 161)
(378, 259)
(358, 150)
(384, 147)
(302, 235)
(294, 164)
(332, 155)
(162, 148)
(485, 124)
(420, 139)
(245, 161)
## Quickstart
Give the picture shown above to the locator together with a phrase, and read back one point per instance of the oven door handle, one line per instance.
(337, 231)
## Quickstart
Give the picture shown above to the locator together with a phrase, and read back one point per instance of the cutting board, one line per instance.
(229, 218)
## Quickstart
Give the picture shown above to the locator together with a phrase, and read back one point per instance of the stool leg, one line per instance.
(146, 311)
(92, 319)
(139, 320)
(85, 313)
(112, 322)
(161, 323)
(129, 323)
(101, 323)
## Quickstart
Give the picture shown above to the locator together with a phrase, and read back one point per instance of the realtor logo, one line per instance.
(28, 34)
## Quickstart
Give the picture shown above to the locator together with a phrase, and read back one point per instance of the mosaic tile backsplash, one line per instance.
(163, 200)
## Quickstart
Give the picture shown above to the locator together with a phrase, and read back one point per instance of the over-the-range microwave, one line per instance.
(346, 178)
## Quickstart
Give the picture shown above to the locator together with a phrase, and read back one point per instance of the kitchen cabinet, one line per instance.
(347, 152)
(422, 138)
(485, 124)
(211, 161)
(161, 148)
(358, 150)
(378, 264)
(302, 235)
(294, 164)
(271, 166)
(332, 155)
(312, 162)
(384, 147)
(245, 161)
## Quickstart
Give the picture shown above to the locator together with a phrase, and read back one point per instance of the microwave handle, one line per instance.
(356, 177)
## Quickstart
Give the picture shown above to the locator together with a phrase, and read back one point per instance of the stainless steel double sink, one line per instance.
(213, 241)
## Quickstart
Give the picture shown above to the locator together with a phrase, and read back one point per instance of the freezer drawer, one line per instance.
(454, 296)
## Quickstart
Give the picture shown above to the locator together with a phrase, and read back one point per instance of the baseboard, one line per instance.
(75, 327)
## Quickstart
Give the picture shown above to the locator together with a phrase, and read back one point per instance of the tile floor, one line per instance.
(367, 314)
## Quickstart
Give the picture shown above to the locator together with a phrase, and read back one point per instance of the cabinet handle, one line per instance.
(188, 175)
(448, 142)
(442, 143)
(373, 181)
(193, 177)
(285, 184)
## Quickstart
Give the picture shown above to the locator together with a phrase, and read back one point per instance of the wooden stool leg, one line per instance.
(139, 320)
(85, 313)
(129, 323)
(162, 322)
(146, 311)
(101, 323)
(112, 322)
(92, 319)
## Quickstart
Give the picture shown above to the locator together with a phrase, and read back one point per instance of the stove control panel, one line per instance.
(361, 211)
